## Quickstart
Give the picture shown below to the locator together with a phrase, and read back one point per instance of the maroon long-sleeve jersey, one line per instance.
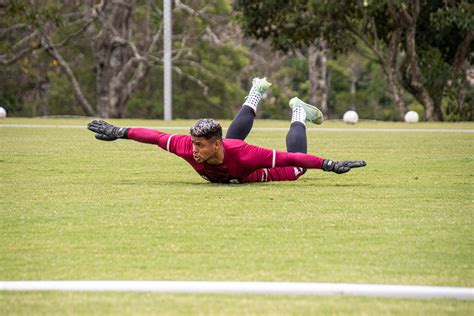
(242, 162)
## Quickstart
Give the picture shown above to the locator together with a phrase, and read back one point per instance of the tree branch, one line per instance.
(213, 36)
(12, 28)
(197, 81)
(75, 33)
(26, 39)
(179, 5)
(143, 67)
(195, 64)
(462, 51)
(137, 77)
(53, 52)
(392, 52)
(353, 29)
(4, 61)
(364, 54)
(156, 38)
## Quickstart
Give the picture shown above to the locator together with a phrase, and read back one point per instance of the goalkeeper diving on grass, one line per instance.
(231, 159)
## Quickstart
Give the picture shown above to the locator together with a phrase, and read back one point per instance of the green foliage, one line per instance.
(372, 98)
(441, 28)
(458, 13)
(458, 104)
(217, 66)
(34, 14)
(293, 24)
(37, 86)
(11, 89)
(418, 108)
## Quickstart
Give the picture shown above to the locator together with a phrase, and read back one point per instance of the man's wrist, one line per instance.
(328, 165)
(125, 133)
(120, 132)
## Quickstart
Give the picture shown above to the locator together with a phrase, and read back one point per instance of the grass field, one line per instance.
(73, 208)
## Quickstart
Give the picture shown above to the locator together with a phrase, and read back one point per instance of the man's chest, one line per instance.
(222, 173)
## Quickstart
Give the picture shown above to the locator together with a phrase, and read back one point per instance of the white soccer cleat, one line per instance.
(259, 87)
(313, 114)
(262, 85)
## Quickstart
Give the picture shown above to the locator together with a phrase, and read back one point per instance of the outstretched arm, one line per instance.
(108, 132)
(311, 161)
(267, 158)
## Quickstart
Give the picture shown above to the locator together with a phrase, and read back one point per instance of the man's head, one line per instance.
(207, 141)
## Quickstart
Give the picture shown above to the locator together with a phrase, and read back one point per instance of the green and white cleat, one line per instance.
(262, 85)
(313, 114)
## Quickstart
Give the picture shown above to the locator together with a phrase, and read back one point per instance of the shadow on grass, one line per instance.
(204, 184)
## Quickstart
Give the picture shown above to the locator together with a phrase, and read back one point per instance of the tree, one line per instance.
(124, 38)
(317, 62)
(289, 26)
(28, 27)
(444, 39)
(398, 33)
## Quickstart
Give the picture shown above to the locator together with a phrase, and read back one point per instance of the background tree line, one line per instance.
(104, 58)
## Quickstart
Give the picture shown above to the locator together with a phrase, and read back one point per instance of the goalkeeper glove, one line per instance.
(106, 131)
(341, 166)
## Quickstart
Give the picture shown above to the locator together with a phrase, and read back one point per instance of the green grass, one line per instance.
(76, 208)
(60, 303)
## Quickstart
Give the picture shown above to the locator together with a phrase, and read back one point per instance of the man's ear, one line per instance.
(218, 143)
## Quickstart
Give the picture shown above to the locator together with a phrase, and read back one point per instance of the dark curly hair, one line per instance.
(207, 128)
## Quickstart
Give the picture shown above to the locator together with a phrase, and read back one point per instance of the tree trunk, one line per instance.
(396, 90)
(317, 61)
(353, 92)
(415, 82)
(389, 59)
(112, 54)
(390, 67)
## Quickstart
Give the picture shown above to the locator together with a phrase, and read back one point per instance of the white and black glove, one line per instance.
(342, 166)
(106, 131)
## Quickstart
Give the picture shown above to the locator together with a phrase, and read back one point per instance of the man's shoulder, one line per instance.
(180, 138)
(179, 144)
(233, 143)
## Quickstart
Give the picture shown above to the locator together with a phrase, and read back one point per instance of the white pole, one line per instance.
(168, 108)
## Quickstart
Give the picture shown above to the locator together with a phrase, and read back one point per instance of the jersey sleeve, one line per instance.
(258, 157)
(180, 145)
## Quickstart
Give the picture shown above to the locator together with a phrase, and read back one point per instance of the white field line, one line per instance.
(272, 288)
(272, 129)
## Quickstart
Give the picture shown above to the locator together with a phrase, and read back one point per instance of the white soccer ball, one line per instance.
(350, 117)
(3, 113)
(412, 117)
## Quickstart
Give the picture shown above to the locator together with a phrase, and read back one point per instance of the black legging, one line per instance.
(240, 127)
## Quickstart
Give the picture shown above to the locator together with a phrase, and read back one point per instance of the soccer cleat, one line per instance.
(313, 114)
(261, 85)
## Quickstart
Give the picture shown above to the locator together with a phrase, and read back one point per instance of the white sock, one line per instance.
(253, 99)
(298, 115)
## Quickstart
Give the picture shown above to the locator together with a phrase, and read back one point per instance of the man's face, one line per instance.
(204, 149)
